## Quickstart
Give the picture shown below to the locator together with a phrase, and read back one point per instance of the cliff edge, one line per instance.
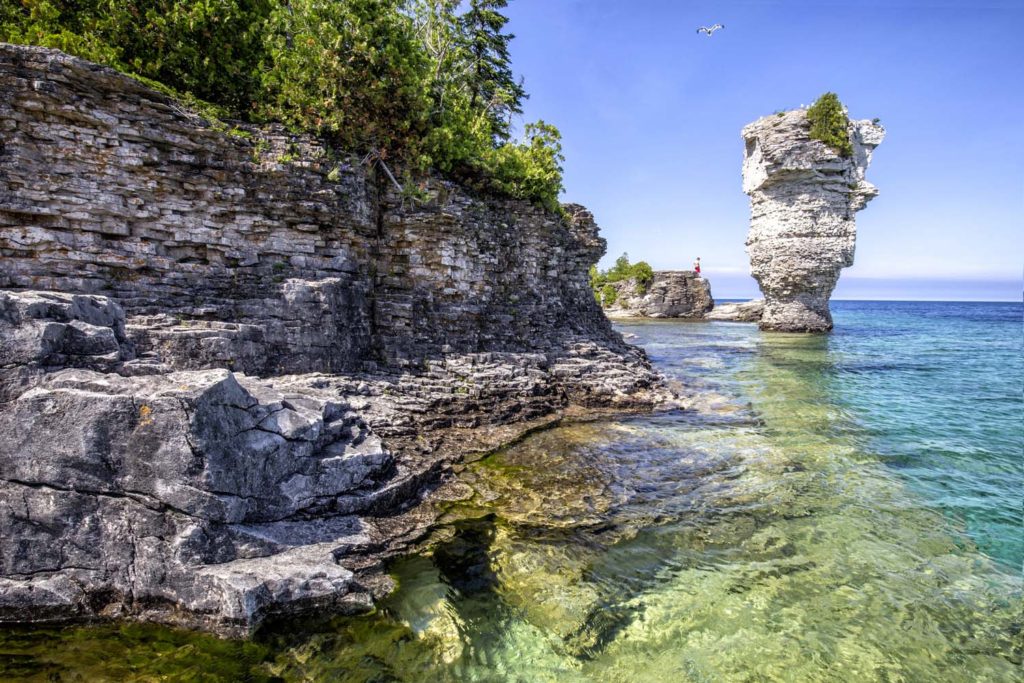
(803, 199)
(234, 362)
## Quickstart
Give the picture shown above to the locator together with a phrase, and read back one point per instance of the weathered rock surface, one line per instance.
(742, 312)
(227, 380)
(672, 294)
(803, 198)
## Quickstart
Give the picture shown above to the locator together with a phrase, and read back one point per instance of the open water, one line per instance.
(834, 508)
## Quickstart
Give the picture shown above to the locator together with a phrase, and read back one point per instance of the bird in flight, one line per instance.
(709, 30)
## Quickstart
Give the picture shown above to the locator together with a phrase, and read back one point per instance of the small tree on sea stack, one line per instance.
(830, 124)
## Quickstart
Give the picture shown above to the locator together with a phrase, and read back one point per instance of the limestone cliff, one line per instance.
(671, 294)
(233, 362)
(803, 198)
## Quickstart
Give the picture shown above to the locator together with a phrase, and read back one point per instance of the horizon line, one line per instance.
(906, 301)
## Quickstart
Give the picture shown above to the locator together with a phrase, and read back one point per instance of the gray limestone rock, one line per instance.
(142, 487)
(803, 198)
(672, 294)
(742, 312)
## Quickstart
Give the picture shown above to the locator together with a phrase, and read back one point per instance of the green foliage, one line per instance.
(830, 124)
(350, 71)
(424, 83)
(492, 86)
(530, 169)
(473, 98)
(640, 272)
(644, 275)
(608, 295)
(208, 50)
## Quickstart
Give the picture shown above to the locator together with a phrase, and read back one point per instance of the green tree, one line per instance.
(493, 89)
(609, 295)
(531, 169)
(641, 272)
(351, 71)
(830, 124)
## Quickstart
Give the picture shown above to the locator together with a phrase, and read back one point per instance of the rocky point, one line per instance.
(670, 294)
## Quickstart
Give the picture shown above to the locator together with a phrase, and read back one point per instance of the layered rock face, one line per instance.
(232, 364)
(672, 294)
(803, 198)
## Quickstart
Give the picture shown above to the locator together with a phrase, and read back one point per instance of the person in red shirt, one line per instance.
(696, 266)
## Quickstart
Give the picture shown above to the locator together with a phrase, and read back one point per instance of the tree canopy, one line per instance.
(424, 83)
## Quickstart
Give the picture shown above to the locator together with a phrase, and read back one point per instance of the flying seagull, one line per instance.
(709, 30)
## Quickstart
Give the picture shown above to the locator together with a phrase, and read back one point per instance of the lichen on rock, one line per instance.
(803, 198)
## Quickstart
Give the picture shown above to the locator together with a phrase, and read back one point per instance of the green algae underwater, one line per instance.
(774, 532)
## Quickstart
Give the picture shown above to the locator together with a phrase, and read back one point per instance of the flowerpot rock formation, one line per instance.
(803, 200)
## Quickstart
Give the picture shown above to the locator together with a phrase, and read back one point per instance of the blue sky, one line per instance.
(651, 115)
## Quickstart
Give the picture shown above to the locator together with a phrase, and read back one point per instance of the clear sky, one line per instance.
(651, 114)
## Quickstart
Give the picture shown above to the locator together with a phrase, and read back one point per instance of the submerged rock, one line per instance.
(803, 198)
(672, 294)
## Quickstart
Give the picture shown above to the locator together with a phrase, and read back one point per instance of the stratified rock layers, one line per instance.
(803, 198)
(671, 294)
(232, 363)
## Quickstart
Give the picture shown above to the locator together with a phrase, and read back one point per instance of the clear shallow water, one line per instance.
(840, 508)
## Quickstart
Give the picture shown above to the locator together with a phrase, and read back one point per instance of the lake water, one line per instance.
(833, 508)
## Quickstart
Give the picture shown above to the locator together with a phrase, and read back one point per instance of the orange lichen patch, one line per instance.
(145, 415)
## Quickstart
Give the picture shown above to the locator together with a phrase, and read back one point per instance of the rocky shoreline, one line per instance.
(234, 363)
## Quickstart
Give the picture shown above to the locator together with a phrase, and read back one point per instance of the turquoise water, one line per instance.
(831, 508)
(936, 389)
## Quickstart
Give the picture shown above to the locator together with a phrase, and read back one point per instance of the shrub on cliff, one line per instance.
(530, 169)
(350, 71)
(643, 274)
(830, 124)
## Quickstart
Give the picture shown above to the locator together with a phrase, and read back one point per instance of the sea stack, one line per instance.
(804, 195)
